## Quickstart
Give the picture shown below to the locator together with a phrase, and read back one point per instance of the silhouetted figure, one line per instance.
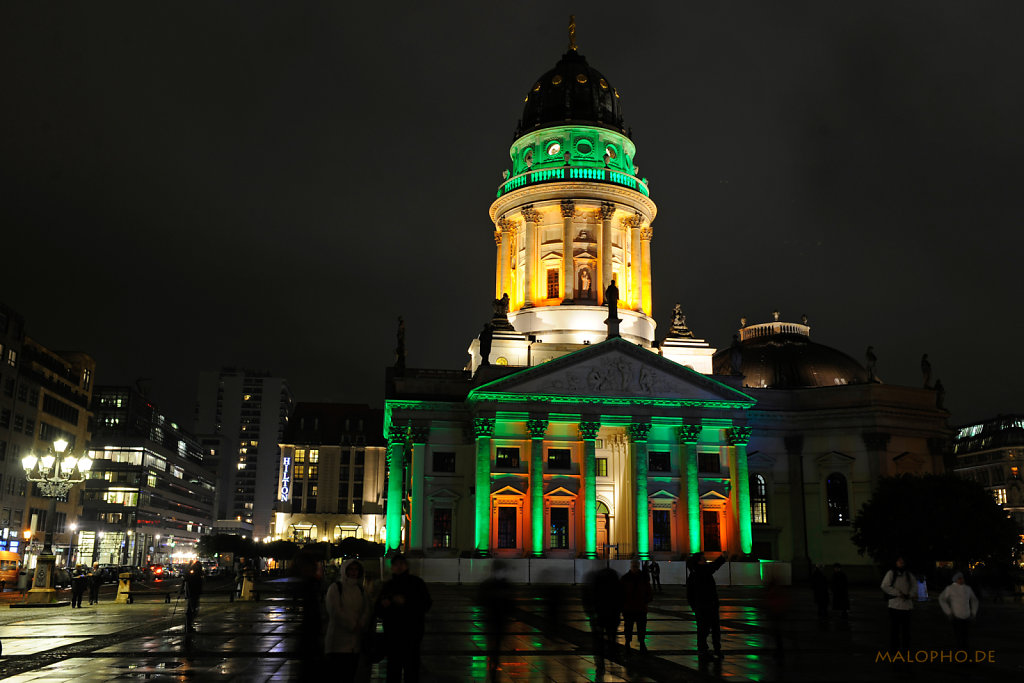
(819, 586)
(486, 339)
(655, 571)
(776, 606)
(840, 590)
(636, 593)
(496, 605)
(611, 299)
(926, 371)
(309, 571)
(402, 606)
(736, 356)
(901, 586)
(960, 605)
(348, 613)
(940, 395)
(79, 581)
(702, 594)
(192, 584)
(602, 601)
(95, 581)
(872, 360)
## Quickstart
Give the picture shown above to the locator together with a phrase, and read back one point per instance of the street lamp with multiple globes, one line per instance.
(55, 473)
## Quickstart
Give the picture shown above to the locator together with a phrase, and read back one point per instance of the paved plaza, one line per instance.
(258, 641)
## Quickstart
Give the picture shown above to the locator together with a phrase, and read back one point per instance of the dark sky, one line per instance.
(190, 185)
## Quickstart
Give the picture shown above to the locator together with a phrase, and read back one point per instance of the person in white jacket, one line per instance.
(348, 613)
(960, 605)
(900, 585)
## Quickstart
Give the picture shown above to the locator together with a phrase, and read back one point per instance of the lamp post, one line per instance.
(55, 473)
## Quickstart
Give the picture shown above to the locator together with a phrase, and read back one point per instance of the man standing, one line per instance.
(655, 576)
(900, 585)
(402, 606)
(960, 605)
(95, 581)
(78, 583)
(636, 593)
(702, 593)
(192, 584)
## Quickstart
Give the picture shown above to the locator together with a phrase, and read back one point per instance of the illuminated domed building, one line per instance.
(570, 434)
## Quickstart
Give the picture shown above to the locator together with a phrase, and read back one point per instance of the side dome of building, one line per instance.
(572, 92)
(781, 355)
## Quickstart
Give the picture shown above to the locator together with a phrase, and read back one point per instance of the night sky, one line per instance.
(191, 185)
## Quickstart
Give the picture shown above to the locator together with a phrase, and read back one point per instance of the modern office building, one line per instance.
(992, 453)
(149, 496)
(240, 419)
(331, 482)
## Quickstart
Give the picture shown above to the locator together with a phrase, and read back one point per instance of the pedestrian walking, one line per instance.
(636, 594)
(840, 591)
(79, 581)
(602, 601)
(702, 594)
(960, 605)
(496, 606)
(900, 585)
(348, 613)
(95, 581)
(819, 586)
(402, 606)
(655, 576)
(192, 585)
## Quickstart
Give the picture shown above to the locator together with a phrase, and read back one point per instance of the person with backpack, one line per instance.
(900, 586)
(348, 613)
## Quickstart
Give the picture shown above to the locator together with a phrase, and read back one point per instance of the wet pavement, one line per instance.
(258, 641)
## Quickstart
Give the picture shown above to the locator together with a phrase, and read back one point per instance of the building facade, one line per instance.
(331, 483)
(241, 416)
(149, 496)
(991, 453)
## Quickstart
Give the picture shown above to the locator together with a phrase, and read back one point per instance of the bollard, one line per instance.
(124, 588)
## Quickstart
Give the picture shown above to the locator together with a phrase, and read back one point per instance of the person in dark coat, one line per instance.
(840, 590)
(602, 601)
(95, 581)
(655, 575)
(192, 584)
(636, 593)
(702, 594)
(79, 581)
(496, 604)
(819, 586)
(402, 606)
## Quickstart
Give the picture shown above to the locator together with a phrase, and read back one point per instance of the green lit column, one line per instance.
(738, 438)
(588, 432)
(483, 428)
(638, 450)
(396, 456)
(688, 437)
(537, 428)
(419, 435)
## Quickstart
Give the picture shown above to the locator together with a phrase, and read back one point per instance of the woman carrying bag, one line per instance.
(348, 613)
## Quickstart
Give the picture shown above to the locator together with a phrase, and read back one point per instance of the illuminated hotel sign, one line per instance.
(286, 477)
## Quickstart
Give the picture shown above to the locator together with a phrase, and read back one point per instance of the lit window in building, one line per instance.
(758, 499)
(507, 526)
(999, 495)
(552, 283)
(300, 455)
(313, 471)
(444, 462)
(299, 472)
(442, 528)
(314, 455)
(658, 461)
(559, 458)
(838, 499)
(507, 458)
(709, 462)
(560, 528)
(661, 527)
(602, 467)
(313, 490)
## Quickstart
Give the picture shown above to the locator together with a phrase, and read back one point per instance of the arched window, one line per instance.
(838, 499)
(758, 499)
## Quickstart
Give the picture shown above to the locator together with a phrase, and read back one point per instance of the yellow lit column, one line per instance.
(505, 257)
(497, 265)
(607, 274)
(688, 437)
(738, 438)
(568, 274)
(632, 225)
(646, 233)
(530, 216)
(420, 435)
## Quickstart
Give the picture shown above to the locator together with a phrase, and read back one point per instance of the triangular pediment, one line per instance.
(662, 494)
(613, 371)
(443, 493)
(714, 496)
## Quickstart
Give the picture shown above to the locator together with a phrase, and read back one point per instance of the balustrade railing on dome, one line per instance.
(548, 175)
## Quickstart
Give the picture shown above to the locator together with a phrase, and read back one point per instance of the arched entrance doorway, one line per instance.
(604, 524)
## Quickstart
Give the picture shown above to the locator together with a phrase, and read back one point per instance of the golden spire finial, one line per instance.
(572, 32)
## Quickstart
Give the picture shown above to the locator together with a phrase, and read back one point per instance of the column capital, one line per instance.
(497, 237)
(420, 434)
(634, 221)
(588, 430)
(507, 224)
(398, 434)
(689, 433)
(638, 431)
(738, 436)
(537, 427)
(483, 426)
(530, 214)
(646, 232)
(568, 208)
(606, 211)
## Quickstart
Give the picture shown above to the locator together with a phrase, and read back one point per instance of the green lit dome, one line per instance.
(571, 93)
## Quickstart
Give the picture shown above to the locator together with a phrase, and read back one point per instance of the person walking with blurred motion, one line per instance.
(192, 584)
(960, 605)
(900, 585)
(819, 586)
(636, 594)
(95, 581)
(496, 605)
(348, 613)
(702, 594)
(403, 604)
(840, 591)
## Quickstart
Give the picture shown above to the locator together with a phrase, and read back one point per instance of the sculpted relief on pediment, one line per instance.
(611, 376)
